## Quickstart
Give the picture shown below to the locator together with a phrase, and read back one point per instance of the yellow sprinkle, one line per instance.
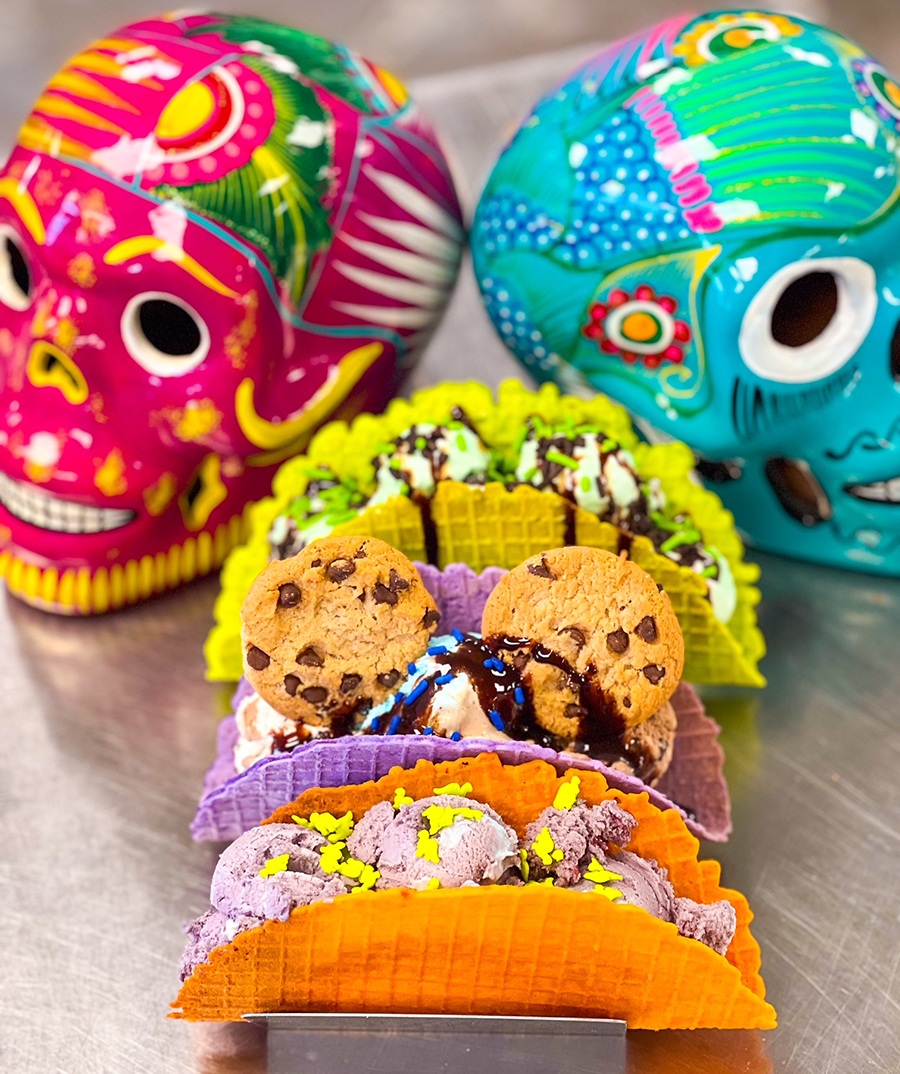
(302, 821)
(330, 856)
(274, 866)
(609, 893)
(428, 848)
(351, 868)
(567, 795)
(459, 789)
(401, 798)
(524, 866)
(545, 848)
(433, 884)
(367, 878)
(598, 875)
(440, 817)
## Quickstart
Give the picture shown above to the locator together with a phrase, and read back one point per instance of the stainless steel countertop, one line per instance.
(106, 727)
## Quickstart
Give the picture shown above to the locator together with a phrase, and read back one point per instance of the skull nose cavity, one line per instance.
(50, 367)
(798, 490)
(805, 308)
(895, 354)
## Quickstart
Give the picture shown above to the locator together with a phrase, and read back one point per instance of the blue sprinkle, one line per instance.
(428, 731)
(455, 737)
(398, 697)
(442, 680)
(375, 724)
(394, 724)
(489, 663)
(437, 650)
(497, 720)
(519, 695)
(498, 664)
(458, 634)
(411, 668)
(414, 695)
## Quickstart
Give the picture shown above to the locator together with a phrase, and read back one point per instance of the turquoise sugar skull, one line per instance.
(703, 223)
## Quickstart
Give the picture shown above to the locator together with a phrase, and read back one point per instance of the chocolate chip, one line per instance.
(541, 569)
(288, 595)
(431, 618)
(291, 682)
(659, 587)
(360, 552)
(383, 595)
(575, 634)
(310, 658)
(654, 672)
(617, 641)
(315, 695)
(257, 659)
(626, 701)
(397, 584)
(646, 629)
(339, 570)
(520, 660)
(316, 563)
(389, 678)
(575, 712)
(349, 683)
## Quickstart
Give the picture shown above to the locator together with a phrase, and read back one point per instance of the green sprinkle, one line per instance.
(562, 460)
(712, 571)
(663, 523)
(529, 474)
(678, 539)
(274, 866)
(461, 442)
(585, 484)
(421, 443)
(609, 445)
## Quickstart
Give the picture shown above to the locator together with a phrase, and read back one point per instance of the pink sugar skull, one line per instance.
(215, 234)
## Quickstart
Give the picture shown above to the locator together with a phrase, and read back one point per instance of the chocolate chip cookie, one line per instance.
(330, 632)
(589, 631)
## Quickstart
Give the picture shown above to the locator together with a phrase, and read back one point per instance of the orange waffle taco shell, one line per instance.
(495, 950)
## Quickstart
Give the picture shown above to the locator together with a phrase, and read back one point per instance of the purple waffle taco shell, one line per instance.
(233, 803)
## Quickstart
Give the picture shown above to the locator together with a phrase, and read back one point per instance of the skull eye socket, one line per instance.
(805, 309)
(164, 335)
(15, 274)
(808, 319)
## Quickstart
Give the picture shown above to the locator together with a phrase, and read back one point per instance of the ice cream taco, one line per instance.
(474, 887)
(453, 476)
(577, 662)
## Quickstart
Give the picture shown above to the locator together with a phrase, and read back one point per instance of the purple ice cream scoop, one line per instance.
(565, 843)
(209, 931)
(580, 833)
(237, 887)
(446, 838)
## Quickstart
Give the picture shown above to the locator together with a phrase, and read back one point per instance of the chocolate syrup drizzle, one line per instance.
(601, 732)
(495, 687)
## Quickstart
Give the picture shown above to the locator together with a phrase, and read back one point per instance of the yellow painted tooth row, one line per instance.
(81, 592)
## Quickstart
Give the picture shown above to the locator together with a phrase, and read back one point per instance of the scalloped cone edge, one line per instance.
(493, 950)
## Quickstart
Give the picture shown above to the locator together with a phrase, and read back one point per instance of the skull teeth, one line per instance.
(878, 491)
(39, 508)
